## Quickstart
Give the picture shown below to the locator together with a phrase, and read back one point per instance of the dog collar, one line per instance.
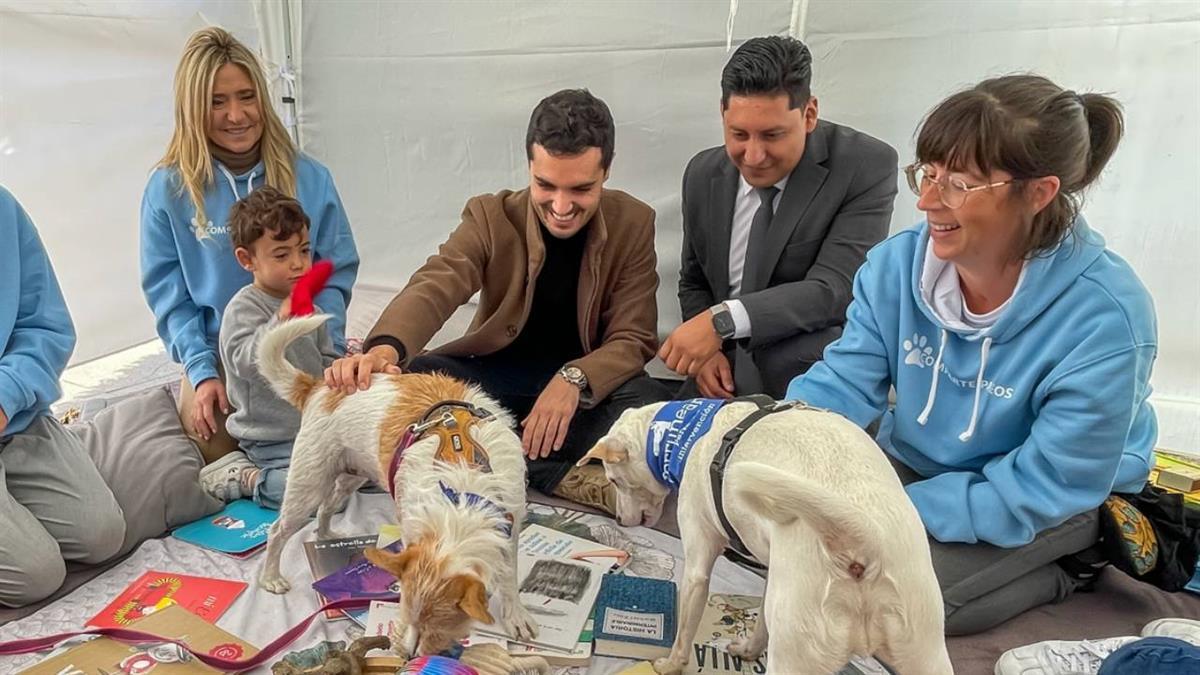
(674, 432)
(472, 500)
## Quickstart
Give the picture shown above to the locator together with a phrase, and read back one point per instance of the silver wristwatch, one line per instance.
(575, 376)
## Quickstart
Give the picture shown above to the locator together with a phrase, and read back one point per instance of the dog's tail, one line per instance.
(849, 536)
(292, 384)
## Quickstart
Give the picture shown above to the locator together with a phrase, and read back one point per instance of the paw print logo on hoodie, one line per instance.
(918, 351)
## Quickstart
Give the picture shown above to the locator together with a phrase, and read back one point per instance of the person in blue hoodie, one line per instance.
(1018, 346)
(54, 506)
(227, 142)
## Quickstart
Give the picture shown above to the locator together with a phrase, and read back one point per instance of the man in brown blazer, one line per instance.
(567, 317)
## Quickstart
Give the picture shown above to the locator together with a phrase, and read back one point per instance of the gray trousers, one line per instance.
(54, 507)
(985, 585)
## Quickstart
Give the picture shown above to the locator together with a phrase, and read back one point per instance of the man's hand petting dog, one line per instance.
(210, 394)
(548, 420)
(352, 373)
(691, 345)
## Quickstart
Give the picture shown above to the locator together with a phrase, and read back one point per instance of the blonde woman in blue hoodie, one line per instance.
(227, 142)
(1018, 346)
(54, 506)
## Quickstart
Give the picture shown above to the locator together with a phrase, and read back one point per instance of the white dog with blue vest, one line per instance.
(808, 494)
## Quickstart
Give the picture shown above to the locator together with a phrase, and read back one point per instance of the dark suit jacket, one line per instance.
(837, 204)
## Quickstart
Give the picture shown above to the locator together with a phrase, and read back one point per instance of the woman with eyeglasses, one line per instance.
(1018, 346)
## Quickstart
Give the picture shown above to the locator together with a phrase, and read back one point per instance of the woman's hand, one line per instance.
(209, 395)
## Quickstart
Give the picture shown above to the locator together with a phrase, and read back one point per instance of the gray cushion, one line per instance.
(150, 465)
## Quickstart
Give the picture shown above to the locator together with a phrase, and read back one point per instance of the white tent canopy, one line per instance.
(415, 106)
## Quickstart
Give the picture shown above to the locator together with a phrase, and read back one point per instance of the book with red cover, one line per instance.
(205, 597)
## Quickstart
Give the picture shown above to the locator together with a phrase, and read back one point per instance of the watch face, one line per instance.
(723, 323)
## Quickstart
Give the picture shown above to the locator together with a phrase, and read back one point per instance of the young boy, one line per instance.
(269, 232)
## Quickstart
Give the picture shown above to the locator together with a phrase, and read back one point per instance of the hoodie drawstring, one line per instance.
(983, 356)
(233, 183)
(933, 384)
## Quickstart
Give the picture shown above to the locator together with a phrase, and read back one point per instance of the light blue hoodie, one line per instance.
(188, 280)
(1028, 422)
(35, 329)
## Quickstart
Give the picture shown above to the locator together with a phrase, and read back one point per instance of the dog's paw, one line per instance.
(274, 583)
(331, 534)
(517, 623)
(667, 666)
(744, 648)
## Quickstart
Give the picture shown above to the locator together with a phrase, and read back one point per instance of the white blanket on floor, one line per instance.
(259, 617)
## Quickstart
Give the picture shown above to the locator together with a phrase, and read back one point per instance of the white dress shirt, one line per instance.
(744, 208)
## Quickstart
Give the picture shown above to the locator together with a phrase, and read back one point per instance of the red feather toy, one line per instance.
(308, 286)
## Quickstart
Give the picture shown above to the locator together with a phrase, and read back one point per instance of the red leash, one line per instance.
(268, 652)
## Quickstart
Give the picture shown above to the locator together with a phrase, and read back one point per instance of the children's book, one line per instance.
(326, 556)
(635, 617)
(359, 579)
(238, 529)
(205, 597)
(559, 595)
(542, 541)
(104, 655)
(581, 655)
(726, 618)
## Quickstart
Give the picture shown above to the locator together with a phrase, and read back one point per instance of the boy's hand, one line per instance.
(285, 309)
(352, 373)
(209, 394)
(715, 378)
(3, 422)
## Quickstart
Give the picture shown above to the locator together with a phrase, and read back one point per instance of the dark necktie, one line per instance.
(746, 377)
(754, 278)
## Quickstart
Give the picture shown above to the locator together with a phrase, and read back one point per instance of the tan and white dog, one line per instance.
(813, 498)
(460, 525)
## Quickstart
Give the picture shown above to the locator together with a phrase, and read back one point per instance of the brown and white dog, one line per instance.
(460, 524)
(814, 498)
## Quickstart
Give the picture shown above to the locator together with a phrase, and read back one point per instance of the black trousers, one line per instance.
(516, 384)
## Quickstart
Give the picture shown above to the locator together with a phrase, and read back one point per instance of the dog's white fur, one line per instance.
(338, 449)
(816, 500)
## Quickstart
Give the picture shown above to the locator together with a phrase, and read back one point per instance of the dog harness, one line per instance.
(680, 425)
(451, 421)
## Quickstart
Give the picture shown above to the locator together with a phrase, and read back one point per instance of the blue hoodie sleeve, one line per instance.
(43, 336)
(853, 376)
(335, 243)
(1066, 467)
(178, 320)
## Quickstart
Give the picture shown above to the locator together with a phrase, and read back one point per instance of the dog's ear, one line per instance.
(396, 563)
(471, 597)
(607, 450)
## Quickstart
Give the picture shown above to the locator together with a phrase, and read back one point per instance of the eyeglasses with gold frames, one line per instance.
(951, 190)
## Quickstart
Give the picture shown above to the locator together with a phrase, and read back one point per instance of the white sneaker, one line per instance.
(1059, 657)
(223, 478)
(1187, 630)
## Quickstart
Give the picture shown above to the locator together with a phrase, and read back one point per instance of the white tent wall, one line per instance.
(85, 113)
(881, 65)
(417, 106)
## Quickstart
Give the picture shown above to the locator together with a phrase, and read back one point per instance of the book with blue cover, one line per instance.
(634, 617)
(237, 529)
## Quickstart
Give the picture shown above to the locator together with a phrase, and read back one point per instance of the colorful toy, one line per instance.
(309, 286)
(437, 665)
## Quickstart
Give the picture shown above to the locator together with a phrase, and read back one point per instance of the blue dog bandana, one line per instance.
(673, 433)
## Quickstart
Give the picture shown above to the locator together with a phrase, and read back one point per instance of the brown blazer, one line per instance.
(498, 250)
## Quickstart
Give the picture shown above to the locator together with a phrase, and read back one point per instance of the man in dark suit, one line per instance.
(775, 225)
